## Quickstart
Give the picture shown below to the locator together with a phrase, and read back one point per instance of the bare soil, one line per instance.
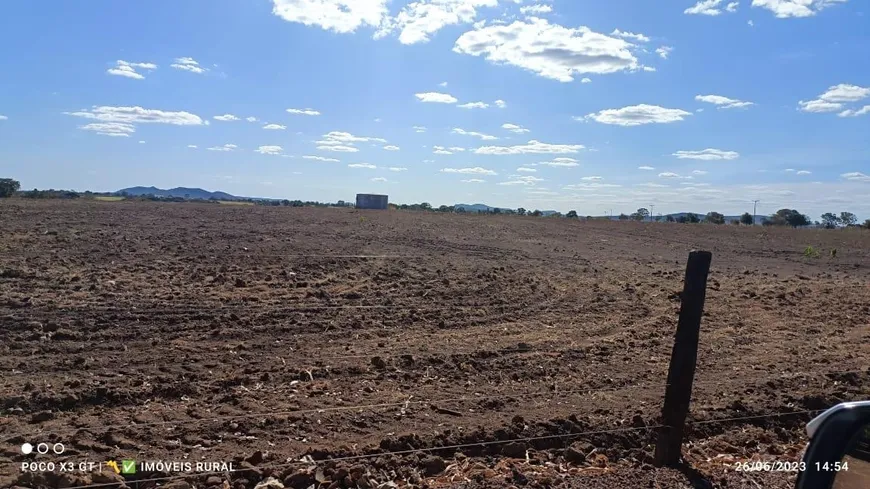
(277, 338)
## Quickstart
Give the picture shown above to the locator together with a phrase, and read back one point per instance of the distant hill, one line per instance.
(183, 192)
(485, 208)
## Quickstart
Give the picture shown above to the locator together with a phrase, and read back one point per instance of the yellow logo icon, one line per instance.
(114, 466)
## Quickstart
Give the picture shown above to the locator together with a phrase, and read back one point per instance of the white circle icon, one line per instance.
(58, 448)
(42, 448)
(27, 448)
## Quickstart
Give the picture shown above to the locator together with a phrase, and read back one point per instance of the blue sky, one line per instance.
(690, 106)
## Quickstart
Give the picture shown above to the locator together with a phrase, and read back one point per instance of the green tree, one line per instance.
(8, 187)
(521, 211)
(789, 217)
(848, 219)
(714, 218)
(830, 220)
(643, 212)
(536, 213)
(623, 217)
(670, 218)
(571, 214)
(867, 224)
(426, 206)
(747, 219)
(692, 218)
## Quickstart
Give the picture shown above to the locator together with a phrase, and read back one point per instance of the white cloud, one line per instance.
(804, 172)
(560, 163)
(474, 105)
(536, 9)
(484, 137)
(855, 113)
(522, 180)
(188, 64)
(750, 23)
(269, 150)
(592, 179)
(784, 9)
(116, 129)
(442, 84)
(141, 142)
(341, 16)
(225, 118)
(224, 148)
(705, 7)
(532, 147)
(664, 51)
(514, 128)
(636, 115)
(419, 128)
(473, 180)
(303, 111)
(500, 103)
(436, 98)
(723, 102)
(379, 179)
(699, 172)
(629, 35)
(732, 7)
(274, 127)
(3, 118)
(138, 115)
(397, 168)
(856, 176)
(586, 80)
(523, 169)
(789, 170)
(651, 185)
(457, 149)
(192, 146)
(441, 150)
(549, 50)
(128, 69)
(362, 165)
(469, 171)
(832, 100)
(391, 147)
(320, 158)
(339, 148)
(251, 119)
(670, 175)
(418, 20)
(708, 154)
(645, 168)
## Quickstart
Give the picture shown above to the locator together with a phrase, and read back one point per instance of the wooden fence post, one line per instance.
(684, 356)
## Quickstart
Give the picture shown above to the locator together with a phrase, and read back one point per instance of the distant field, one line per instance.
(233, 202)
(109, 198)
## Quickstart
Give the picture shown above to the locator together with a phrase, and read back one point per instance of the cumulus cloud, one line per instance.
(522, 180)
(469, 171)
(560, 163)
(514, 128)
(532, 147)
(629, 35)
(436, 98)
(474, 105)
(732, 7)
(637, 115)
(441, 150)
(419, 128)
(709, 7)
(524, 169)
(138, 115)
(192, 146)
(592, 178)
(269, 150)
(341, 148)
(320, 158)
(834, 98)
(115, 129)
(536, 9)
(368, 166)
(473, 180)
(855, 113)
(303, 111)
(646, 168)
(671, 175)
(188, 64)
(856, 176)
(225, 118)
(391, 147)
(418, 20)
(723, 102)
(128, 69)
(500, 103)
(341, 16)
(397, 168)
(3, 118)
(251, 119)
(224, 148)
(699, 172)
(586, 80)
(664, 51)
(784, 9)
(549, 50)
(463, 132)
(708, 154)
(274, 127)
(343, 142)
(803, 172)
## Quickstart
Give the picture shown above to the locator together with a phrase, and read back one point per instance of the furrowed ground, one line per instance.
(193, 332)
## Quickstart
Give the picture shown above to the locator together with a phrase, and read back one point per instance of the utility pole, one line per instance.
(651, 209)
(754, 209)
